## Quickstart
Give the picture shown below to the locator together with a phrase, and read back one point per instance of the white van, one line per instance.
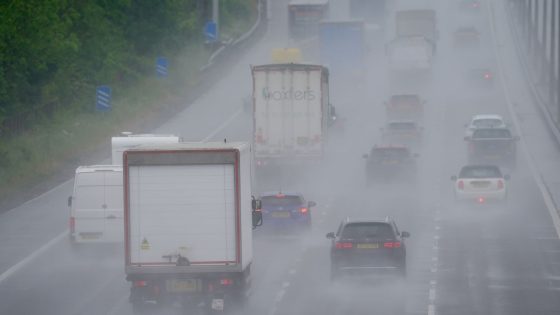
(129, 141)
(96, 205)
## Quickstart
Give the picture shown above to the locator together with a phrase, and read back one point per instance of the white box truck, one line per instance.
(291, 112)
(129, 140)
(189, 216)
(96, 205)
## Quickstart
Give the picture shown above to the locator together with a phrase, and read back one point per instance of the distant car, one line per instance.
(284, 209)
(480, 183)
(405, 106)
(406, 132)
(480, 77)
(389, 161)
(466, 36)
(367, 247)
(484, 121)
(492, 146)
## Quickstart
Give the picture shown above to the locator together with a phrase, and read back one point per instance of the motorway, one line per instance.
(462, 260)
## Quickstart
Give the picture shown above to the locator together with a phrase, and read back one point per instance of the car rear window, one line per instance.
(491, 133)
(480, 172)
(364, 230)
(281, 200)
(402, 125)
(487, 122)
(389, 153)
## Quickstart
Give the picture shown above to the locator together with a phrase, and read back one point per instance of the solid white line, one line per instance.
(15, 268)
(536, 175)
(431, 309)
(432, 295)
(223, 125)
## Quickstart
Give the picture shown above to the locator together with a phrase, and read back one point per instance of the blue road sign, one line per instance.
(161, 67)
(103, 98)
(211, 31)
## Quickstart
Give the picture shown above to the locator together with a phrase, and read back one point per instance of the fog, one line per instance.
(462, 258)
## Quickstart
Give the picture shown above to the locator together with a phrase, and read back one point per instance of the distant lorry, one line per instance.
(189, 216)
(291, 113)
(129, 140)
(304, 17)
(96, 205)
(414, 46)
(343, 49)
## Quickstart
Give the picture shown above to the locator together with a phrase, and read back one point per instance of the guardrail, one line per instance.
(532, 75)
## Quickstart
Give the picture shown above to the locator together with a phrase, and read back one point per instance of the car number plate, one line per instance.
(188, 285)
(283, 214)
(368, 246)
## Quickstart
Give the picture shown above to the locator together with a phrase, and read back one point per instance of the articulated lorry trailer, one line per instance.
(189, 215)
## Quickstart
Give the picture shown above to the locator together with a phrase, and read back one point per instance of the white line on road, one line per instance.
(15, 268)
(223, 125)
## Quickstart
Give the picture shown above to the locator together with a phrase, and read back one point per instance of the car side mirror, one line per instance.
(256, 204)
(330, 235)
(507, 177)
(257, 218)
(467, 138)
(365, 156)
(311, 204)
(453, 178)
(405, 234)
(70, 201)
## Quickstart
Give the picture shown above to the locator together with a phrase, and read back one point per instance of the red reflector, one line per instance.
(343, 245)
(140, 283)
(461, 185)
(226, 281)
(500, 184)
(303, 210)
(72, 224)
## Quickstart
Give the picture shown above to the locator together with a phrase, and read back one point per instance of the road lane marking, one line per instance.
(15, 268)
(223, 125)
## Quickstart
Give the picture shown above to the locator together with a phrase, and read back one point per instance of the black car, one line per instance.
(368, 247)
(389, 161)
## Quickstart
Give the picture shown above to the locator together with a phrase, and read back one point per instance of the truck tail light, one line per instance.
(343, 245)
(303, 210)
(461, 185)
(140, 283)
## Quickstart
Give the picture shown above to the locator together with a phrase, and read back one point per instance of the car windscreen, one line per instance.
(389, 153)
(480, 172)
(367, 230)
(491, 133)
(281, 201)
(487, 122)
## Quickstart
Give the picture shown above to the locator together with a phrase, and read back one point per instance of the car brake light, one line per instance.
(500, 184)
(343, 245)
(140, 283)
(487, 76)
(72, 224)
(461, 185)
(480, 200)
(303, 210)
(226, 281)
(392, 244)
